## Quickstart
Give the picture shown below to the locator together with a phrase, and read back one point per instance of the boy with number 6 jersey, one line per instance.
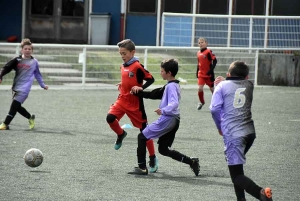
(231, 111)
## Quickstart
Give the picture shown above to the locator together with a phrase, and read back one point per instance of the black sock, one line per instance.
(22, 111)
(141, 151)
(241, 182)
(14, 107)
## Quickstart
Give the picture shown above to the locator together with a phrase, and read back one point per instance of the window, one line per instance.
(44, 7)
(249, 7)
(214, 7)
(178, 6)
(72, 8)
(144, 6)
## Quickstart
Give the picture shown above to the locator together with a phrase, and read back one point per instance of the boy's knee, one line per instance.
(163, 150)
(110, 118)
(141, 136)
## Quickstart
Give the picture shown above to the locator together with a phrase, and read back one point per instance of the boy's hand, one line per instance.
(46, 87)
(136, 89)
(158, 111)
(220, 132)
(218, 80)
(118, 85)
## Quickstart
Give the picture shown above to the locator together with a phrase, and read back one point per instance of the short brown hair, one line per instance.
(127, 44)
(238, 69)
(25, 41)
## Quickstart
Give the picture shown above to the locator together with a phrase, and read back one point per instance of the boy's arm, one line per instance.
(148, 82)
(216, 106)
(12, 64)
(154, 94)
(212, 66)
(38, 77)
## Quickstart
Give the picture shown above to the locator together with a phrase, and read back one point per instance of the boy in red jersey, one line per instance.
(133, 74)
(205, 69)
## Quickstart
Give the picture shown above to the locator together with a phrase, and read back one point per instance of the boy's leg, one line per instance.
(28, 116)
(141, 156)
(166, 141)
(201, 83)
(241, 182)
(235, 152)
(14, 107)
(112, 118)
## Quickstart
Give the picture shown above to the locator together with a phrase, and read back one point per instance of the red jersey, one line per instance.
(205, 58)
(132, 75)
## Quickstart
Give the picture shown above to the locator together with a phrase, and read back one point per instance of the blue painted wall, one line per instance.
(141, 29)
(11, 19)
(114, 8)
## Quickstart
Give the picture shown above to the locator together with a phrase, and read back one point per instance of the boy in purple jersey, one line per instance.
(168, 122)
(231, 110)
(27, 68)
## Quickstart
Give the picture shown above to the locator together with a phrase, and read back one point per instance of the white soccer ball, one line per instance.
(33, 157)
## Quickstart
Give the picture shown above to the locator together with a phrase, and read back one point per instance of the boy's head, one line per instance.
(202, 42)
(126, 49)
(238, 69)
(169, 68)
(27, 48)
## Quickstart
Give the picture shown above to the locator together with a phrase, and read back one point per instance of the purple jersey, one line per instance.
(26, 71)
(231, 108)
(169, 107)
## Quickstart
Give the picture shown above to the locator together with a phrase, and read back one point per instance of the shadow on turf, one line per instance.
(39, 171)
(194, 180)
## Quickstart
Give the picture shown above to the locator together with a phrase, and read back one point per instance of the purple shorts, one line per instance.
(20, 96)
(235, 151)
(160, 127)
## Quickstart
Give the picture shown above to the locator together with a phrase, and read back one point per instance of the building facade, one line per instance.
(69, 21)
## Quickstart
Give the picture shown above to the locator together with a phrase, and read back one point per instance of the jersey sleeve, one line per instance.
(9, 66)
(212, 55)
(143, 74)
(216, 105)
(38, 75)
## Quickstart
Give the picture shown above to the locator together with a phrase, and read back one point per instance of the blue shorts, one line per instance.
(235, 150)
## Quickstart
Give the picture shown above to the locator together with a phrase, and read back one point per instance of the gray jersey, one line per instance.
(231, 108)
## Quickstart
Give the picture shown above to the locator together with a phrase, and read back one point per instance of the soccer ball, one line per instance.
(33, 157)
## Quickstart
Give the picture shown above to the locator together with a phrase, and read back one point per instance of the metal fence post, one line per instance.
(145, 57)
(83, 66)
(256, 67)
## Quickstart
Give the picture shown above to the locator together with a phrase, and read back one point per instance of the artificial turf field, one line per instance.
(80, 162)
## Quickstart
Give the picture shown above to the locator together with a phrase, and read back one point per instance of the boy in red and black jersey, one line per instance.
(205, 69)
(133, 74)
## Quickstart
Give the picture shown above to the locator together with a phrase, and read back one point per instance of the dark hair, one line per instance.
(127, 44)
(238, 69)
(170, 65)
(26, 41)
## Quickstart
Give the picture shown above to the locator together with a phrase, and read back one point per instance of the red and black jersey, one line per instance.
(205, 58)
(133, 75)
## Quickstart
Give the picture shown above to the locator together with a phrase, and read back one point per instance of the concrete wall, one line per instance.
(279, 70)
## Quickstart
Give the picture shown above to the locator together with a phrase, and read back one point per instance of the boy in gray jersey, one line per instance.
(27, 68)
(166, 126)
(231, 110)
